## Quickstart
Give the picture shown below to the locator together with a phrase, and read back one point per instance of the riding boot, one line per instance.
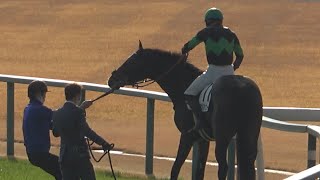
(198, 116)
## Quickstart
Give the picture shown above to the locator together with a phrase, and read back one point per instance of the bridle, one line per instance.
(147, 81)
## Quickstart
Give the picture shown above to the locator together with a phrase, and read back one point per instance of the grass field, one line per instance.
(21, 169)
(85, 40)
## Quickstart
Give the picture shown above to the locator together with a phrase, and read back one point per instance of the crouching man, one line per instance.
(37, 123)
(69, 122)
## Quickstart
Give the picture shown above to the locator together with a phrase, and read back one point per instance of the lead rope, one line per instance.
(103, 95)
(105, 152)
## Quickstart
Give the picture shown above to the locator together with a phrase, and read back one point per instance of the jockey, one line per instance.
(220, 43)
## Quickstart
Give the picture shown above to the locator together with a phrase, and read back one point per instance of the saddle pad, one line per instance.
(205, 97)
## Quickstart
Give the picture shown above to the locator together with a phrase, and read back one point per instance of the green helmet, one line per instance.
(213, 13)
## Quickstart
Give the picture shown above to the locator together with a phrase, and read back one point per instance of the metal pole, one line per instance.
(312, 142)
(10, 119)
(149, 137)
(231, 158)
(83, 95)
(260, 160)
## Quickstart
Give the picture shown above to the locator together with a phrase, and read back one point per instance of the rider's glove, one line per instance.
(184, 50)
(107, 147)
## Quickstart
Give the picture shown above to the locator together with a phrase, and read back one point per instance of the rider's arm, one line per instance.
(238, 52)
(200, 37)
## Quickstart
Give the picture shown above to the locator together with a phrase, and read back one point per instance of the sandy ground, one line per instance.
(86, 40)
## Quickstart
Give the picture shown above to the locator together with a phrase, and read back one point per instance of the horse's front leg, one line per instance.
(203, 152)
(186, 142)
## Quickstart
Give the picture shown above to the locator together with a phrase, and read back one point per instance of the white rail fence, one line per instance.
(271, 114)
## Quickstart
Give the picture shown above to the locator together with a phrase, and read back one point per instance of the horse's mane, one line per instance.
(171, 56)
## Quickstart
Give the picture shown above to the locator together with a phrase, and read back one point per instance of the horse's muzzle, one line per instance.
(114, 84)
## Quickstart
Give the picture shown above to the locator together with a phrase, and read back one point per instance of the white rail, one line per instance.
(311, 173)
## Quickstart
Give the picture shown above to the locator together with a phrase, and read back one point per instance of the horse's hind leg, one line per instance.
(247, 139)
(186, 142)
(221, 156)
(203, 152)
(225, 130)
(247, 152)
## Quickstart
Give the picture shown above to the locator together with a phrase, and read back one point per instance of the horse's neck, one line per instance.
(175, 83)
(175, 96)
(178, 79)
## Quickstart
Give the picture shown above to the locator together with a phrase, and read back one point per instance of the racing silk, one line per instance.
(220, 43)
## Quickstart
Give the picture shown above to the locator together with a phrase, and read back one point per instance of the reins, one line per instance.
(112, 145)
(150, 81)
(105, 152)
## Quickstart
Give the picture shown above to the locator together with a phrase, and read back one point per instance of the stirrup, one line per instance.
(205, 136)
(200, 128)
(197, 123)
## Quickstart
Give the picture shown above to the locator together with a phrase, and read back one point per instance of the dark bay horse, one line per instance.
(236, 102)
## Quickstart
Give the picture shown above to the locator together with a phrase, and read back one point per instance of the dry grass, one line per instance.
(85, 40)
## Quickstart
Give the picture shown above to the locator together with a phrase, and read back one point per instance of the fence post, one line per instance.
(312, 142)
(10, 119)
(260, 160)
(149, 137)
(231, 158)
(83, 95)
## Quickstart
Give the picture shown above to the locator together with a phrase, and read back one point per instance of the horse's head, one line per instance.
(154, 65)
(144, 65)
(131, 71)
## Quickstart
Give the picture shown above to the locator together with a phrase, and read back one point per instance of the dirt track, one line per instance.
(86, 40)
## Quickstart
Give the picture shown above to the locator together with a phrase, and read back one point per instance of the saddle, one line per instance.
(205, 97)
(207, 132)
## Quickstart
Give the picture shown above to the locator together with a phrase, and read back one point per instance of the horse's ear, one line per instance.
(140, 45)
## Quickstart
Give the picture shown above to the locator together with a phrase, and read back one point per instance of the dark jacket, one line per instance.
(69, 122)
(37, 122)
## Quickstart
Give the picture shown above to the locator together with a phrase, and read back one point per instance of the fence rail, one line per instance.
(269, 120)
(311, 173)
